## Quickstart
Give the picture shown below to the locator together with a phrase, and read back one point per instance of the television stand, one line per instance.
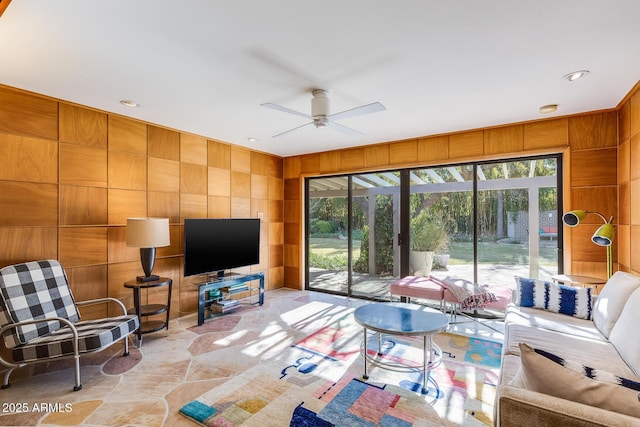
(228, 282)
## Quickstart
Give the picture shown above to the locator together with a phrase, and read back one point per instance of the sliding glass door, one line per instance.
(485, 222)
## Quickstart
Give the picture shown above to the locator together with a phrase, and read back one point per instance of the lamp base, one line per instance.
(147, 278)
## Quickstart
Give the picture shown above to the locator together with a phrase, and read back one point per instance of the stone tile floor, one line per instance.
(170, 369)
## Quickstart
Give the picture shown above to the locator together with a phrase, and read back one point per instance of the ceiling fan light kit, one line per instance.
(320, 117)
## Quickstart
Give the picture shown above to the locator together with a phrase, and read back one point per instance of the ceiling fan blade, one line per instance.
(285, 109)
(344, 129)
(363, 109)
(291, 130)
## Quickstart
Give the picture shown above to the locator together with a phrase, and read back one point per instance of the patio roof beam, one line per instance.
(434, 176)
(453, 171)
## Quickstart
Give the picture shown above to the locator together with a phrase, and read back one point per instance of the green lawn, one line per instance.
(461, 252)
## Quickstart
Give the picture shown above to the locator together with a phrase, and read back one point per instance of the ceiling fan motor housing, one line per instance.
(320, 108)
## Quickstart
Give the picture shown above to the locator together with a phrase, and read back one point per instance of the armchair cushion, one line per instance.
(34, 290)
(93, 335)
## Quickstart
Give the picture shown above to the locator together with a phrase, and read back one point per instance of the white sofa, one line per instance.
(535, 391)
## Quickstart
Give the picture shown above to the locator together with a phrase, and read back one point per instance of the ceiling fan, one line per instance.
(320, 116)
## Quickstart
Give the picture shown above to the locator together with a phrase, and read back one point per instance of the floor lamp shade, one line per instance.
(603, 235)
(147, 234)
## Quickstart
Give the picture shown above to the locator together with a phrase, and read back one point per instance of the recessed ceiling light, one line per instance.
(575, 75)
(129, 103)
(253, 139)
(551, 108)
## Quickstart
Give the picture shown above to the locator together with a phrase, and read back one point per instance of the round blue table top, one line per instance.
(400, 318)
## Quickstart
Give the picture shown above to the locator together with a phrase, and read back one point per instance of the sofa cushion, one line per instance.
(624, 335)
(612, 299)
(541, 374)
(543, 319)
(597, 353)
(572, 301)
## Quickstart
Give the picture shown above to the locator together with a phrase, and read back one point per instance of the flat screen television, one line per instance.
(213, 245)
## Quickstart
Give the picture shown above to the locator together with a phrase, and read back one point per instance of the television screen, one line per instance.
(214, 245)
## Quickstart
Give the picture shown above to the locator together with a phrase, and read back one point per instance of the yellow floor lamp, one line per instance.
(602, 237)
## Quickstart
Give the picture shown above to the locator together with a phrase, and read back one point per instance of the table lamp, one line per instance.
(147, 234)
(603, 235)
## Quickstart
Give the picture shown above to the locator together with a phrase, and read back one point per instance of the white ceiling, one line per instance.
(205, 66)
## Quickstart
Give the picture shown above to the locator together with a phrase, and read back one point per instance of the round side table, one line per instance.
(144, 310)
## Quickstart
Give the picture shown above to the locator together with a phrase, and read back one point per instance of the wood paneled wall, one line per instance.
(588, 142)
(70, 176)
(628, 231)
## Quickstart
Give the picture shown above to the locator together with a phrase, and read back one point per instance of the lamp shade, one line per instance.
(148, 232)
(573, 218)
(603, 235)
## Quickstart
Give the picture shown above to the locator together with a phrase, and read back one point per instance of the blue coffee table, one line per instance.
(402, 319)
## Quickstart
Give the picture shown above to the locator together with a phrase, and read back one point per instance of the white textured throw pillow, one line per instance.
(612, 299)
(624, 335)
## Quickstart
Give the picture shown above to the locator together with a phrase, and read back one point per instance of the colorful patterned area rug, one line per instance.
(318, 382)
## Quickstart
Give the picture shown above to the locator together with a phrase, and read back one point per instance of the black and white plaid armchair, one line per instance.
(40, 321)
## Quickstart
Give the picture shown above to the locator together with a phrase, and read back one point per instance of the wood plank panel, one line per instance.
(623, 235)
(276, 233)
(163, 204)
(83, 126)
(594, 167)
(240, 207)
(634, 157)
(219, 207)
(163, 175)
(582, 248)
(240, 159)
(28, 159)
(28, 204)
(292, 233)
(310, 164)
(292, 209)
(83, 246)
(28, 115)
(292, 189)
(351, 159)
(117, 249)
(276, 210)
(291, 255)
(598, 199)
(508, 139)
(466, 145)
(83, 205)
(329, 161)
(193, 149)
(433, 149)
(276, 167)
(193, 178)
(624, 161)
(292, 277)
(260, 163)
(291, 167)
(219, 182)
(624, 122)
(240, 184)
(176, 246)
(546, 134)
(260, 207)
(276, 256)
(125, 204)
(376, 156)
(22, 244)
(634, 113)
(593, 131)
(163, 143)
(403, 152)
(276, 189)
(193, 206)
(81, 165)
(127, 135)
(88, 283)
(259, 186)
(127, 171)
(634, 202)
(635, 254)
(624, 204)
(118, 274)
(219, 154)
